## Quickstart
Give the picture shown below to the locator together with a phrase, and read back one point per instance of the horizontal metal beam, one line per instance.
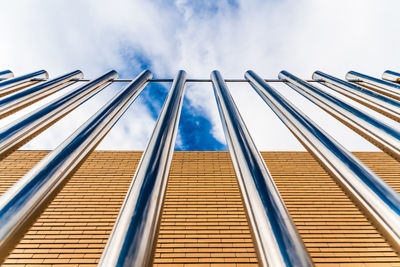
(131, 240)
(187, 80)
(17, 133)
(277, 239)
(374, 130)
(377, 199)
(384, 87)
(23, 202)
(15, 101)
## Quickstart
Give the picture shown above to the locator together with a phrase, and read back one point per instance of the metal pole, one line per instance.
(380, 134)
(8, 86)
(275, 233)
(131, 240)
(375, 197)
(391, 76)
(17, 133)
(24, 201)
(387, 106)
(384, 87)
(6, 74)
(13, 102)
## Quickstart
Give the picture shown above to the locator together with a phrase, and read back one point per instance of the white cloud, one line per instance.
(266, 36)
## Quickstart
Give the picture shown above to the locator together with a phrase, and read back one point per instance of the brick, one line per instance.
(204, 219)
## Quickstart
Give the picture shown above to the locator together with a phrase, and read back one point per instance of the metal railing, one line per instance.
(385, 87)
(13, 84)
(20, 204)
(6, 74)
(12, 103)
(132, 238)
(377, 132)
(277, 239)
(376, 198)
(18, 132)
(383, 104)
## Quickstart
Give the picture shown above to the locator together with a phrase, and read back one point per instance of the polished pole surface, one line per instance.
(277, 239)
(391, 76)
(6, 74)
(15, 101)
(383, 104)
(377, 199)
(377, 132)
(131, 240)
(17, 133)
(22, 201)
(8, 86)
(385, 87)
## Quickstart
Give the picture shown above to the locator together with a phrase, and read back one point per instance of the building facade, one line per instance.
(74, 206)
(203, 218)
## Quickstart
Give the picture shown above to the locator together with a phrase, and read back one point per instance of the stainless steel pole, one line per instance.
(275, 233)
(13, 102)
(24, 201)
(385, 105)
(8, 86)
(391, 76)
(377, 132)
(377, 199)
(384, 87)
(17, 133)
(131, 240)
(6, 74)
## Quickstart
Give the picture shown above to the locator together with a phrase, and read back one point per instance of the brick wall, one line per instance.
(75, 226)
(203, 219)
(334, 231)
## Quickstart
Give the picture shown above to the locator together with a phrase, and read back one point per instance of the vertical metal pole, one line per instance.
(277, 239)
(377, 132)
(17, 133)
(21, 203)
(377, 199)
(8, 86)
(391, 76)
(131, 240)
(385, 105)
(13, 102)
(6, 74)
(384, 87)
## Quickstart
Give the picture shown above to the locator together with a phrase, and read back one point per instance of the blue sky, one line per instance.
(199, 36)
(194, 131)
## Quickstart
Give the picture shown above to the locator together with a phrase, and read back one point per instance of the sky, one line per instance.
(267, 36)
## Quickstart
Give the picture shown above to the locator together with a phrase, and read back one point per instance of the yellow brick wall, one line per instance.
(383, 165)
(203, 220)
(75, 226)
(334, 231)
(16, 165)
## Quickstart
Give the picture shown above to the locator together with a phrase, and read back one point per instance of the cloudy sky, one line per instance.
(199, 36)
